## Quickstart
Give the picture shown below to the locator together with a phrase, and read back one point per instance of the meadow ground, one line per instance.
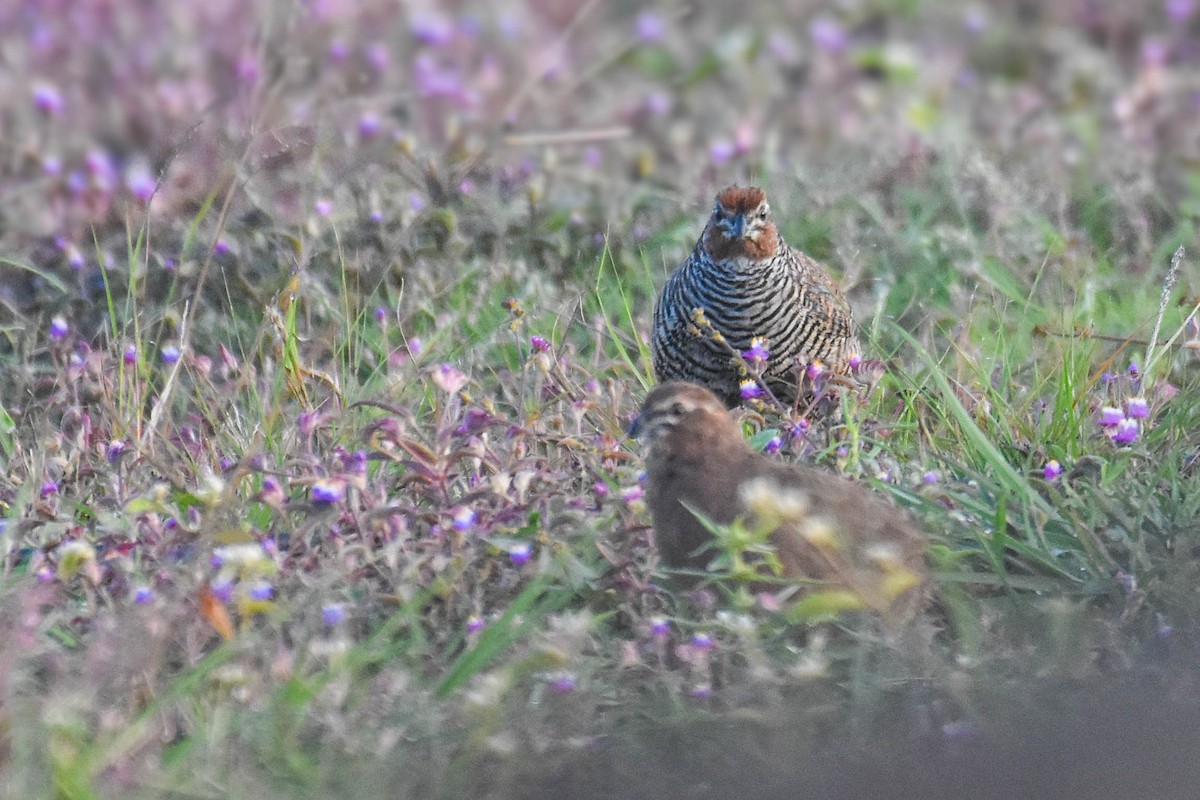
(323, 323)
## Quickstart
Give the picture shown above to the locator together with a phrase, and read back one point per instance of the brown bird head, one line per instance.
(681, 416)
(741, 226)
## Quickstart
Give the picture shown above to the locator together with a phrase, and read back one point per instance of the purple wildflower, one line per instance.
(632, 494)
(431, 28)
(659, 627)
(475, 624)
(49, 488)
(100, 166)
(143, 595)
(539, 343)
(650, 27)
(974, 20)
(378, 56)
(323, 207)
(1126, 431)
(658, 103)
(368, 125)
(222, 589)
(773, 445)
(1110, 416)
(333, 613)
(59, 328)
(563, 683)
(74, 257)
(262, 591)
(474, 420)
(702, 641)
(447, 378)
(307, 422)
(76, 182)
(1180, 11)
(1155, 52)
(130, 355)
(465, 518)
(47, 99)
(326, 491)
(720, 151)
(141, 182)
(828, 34)
(170, 354)
(758, 352)
(1137, 408)
(750, 390)
(1052, 470)
(247, 69)
(814, 370)
(931, 477)
(520, 553)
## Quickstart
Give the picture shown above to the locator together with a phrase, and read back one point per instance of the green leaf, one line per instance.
(821, 606)
(538, 600)
(760, 440)
(7, 428)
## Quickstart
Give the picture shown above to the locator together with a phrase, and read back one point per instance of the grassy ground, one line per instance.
(323, 325)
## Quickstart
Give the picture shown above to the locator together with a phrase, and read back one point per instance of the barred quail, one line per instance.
(825, 528)
(743, 282)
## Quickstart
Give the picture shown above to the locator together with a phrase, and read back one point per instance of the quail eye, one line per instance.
(678, 409)
(762, 213)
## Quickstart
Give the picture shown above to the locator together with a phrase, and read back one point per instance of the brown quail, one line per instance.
(744, 283)
(826, 529)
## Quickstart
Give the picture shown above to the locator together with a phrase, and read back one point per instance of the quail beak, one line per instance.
(737, 228)
(634, 428)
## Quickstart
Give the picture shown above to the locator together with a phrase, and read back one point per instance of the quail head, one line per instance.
(825, 530)
(742, 289)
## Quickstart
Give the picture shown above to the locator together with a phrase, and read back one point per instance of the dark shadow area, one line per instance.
(1136, 736)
